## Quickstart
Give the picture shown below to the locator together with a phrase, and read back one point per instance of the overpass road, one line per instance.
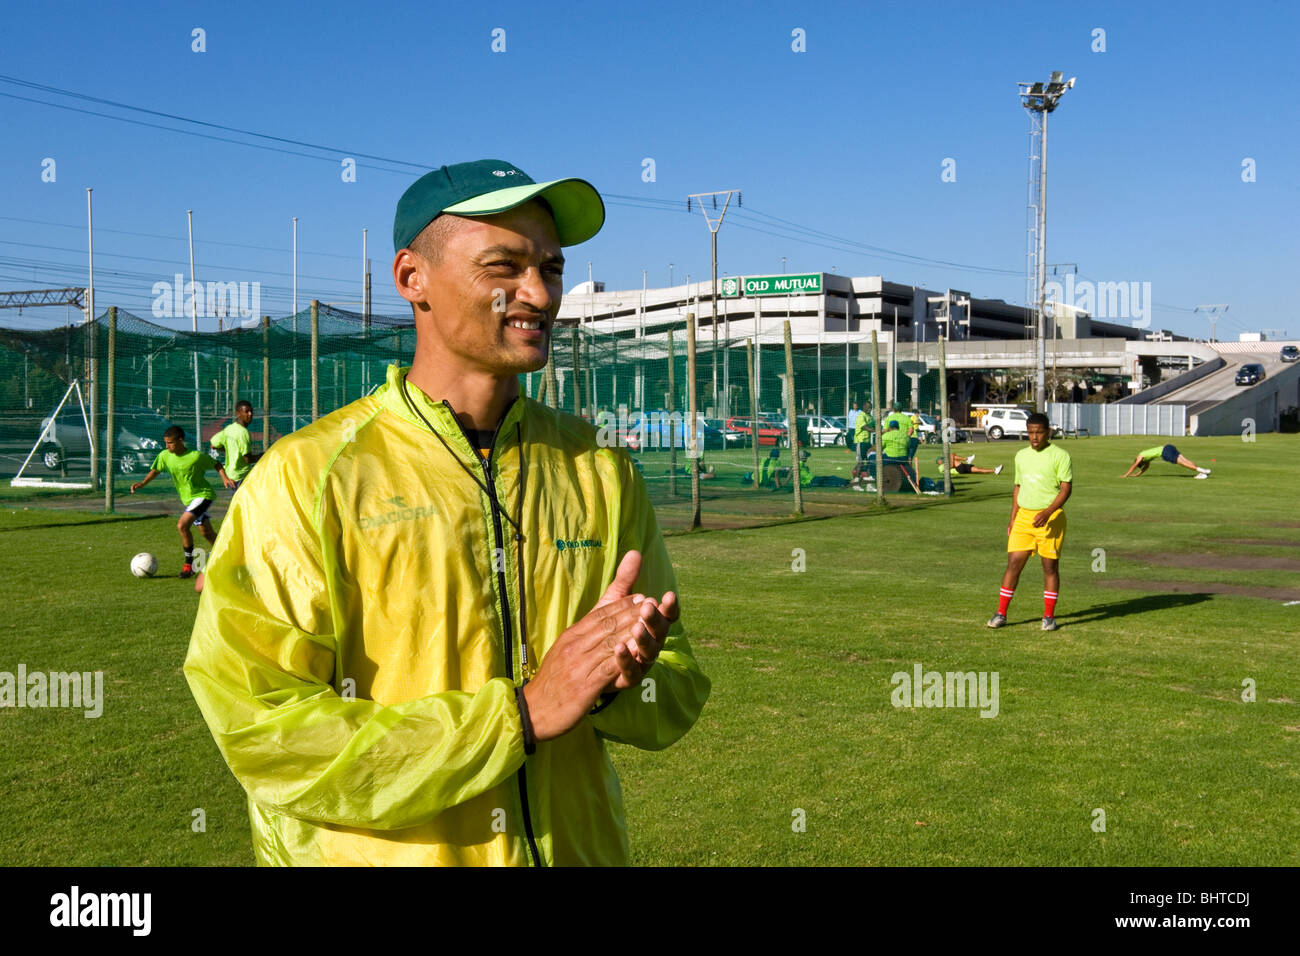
(1221, 385)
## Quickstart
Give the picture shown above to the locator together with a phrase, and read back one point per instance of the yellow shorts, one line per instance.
(1047, 540)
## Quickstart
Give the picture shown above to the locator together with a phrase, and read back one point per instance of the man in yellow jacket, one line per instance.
(437, 604)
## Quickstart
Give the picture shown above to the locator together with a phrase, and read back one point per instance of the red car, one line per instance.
(769, 433)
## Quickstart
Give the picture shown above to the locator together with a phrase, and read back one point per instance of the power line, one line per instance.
(185, 119)
(834, 242)
(201, 242)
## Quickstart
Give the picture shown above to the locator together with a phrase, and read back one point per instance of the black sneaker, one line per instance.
(187, 571)
(997, 620)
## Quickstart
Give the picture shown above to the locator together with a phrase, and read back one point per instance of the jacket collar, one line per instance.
(409, 402)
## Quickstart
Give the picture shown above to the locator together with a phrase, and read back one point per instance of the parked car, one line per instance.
(657, 428)
(729, 439)
(1252, 373)
(929, 431)
(730, 436)
(821, 430)
(1010, 421)
(769, 432)
(1290, 354)
(138, 438)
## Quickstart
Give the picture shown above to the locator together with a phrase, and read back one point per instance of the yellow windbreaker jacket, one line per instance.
(374, 597)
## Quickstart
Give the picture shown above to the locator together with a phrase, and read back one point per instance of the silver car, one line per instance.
(138, 440)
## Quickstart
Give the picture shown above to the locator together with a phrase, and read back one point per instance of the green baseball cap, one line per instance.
(488, 186)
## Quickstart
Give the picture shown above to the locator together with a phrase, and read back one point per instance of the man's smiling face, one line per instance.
(492, 291)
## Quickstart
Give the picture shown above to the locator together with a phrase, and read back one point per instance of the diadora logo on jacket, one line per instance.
(398, 510)
(576, 544)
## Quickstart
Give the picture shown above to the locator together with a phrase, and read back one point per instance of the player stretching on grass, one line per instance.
(187, 469)
(1044, 476)
(963, 466)
(1170, 454)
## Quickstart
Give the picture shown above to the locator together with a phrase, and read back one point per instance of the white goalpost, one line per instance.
(47, 436)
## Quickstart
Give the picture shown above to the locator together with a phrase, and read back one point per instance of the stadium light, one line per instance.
(1040, 100)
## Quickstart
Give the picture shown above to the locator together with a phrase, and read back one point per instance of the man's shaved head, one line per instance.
(432, 237)
(430, 240)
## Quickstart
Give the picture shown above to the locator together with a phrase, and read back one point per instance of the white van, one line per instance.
(1010, 421)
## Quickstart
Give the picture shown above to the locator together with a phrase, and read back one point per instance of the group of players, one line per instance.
(1044, 479)
(900, 437)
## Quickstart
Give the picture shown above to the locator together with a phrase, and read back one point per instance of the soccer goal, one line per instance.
(51, 448)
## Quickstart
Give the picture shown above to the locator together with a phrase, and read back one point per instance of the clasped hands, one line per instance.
(609, 649)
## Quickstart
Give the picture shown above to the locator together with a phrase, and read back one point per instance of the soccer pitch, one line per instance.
(1164, 709)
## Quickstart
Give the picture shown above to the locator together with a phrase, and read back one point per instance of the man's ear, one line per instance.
(408, 275)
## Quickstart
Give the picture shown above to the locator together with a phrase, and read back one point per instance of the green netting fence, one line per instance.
(616, 380)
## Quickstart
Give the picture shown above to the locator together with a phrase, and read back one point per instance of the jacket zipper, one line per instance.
(499, 538)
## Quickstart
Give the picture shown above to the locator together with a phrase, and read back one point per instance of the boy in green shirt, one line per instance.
(1044, 479)
(904, 421)
(784, 476)
(187, 469)
(235, 442)
(894, 441)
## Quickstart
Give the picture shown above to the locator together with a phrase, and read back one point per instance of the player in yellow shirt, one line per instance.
(1044, 479)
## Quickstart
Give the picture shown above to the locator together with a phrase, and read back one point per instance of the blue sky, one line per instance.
(835, 149)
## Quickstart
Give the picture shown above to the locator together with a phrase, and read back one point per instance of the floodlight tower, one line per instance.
(1039, 99)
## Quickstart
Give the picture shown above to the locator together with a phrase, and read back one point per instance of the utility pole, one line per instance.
(893, 360)
(1040, 100)
(714, 226)
(194, 327)
(365, 316)
(93, 329)
(1214, 311)
(293, 404)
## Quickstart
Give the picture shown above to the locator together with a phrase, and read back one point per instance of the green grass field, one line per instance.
(1134, 707)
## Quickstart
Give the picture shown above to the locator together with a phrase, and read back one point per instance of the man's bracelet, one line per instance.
(530, 738)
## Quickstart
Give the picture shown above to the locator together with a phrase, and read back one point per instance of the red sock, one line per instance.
(1004, 600)
(1049, 603)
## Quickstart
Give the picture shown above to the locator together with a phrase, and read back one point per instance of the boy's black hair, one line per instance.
(175, 432)
(243, 405)
(1038, 418)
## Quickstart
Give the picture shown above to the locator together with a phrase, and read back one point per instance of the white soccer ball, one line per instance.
(144, 565)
